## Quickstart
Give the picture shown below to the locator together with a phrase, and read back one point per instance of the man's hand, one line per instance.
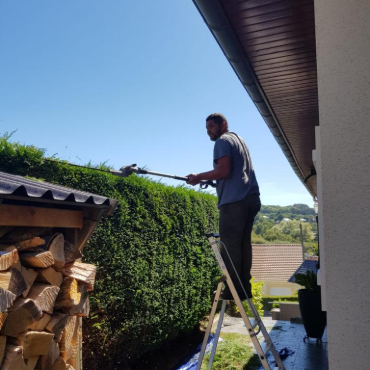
(193, 179)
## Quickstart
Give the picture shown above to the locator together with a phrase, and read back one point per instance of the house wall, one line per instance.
(278, 288)
(343, 61)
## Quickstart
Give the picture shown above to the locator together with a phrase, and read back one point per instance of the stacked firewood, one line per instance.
(43, 294)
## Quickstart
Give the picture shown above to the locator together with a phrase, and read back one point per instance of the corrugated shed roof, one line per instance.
(307, 265)
(275, 261)
(19, 186)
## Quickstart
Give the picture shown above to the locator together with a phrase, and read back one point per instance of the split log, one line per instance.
(34, 343)
(55, 245)
(44, 296)
(82, 310)
(46, 362)
(71, 253)
(37, 259)
(59, 364)
(29, 243)
(18, 266)
(84, 272)
(13, 359)
(19, 234)
(72, 363)
(71, 297)
(2, 347)
(24, 313)
(13, 281)
(40, 325)
(3, 316)
(6, 299)
(50, 276)
(8, 257)
(56, 324)
(29, 277)
(69, 341)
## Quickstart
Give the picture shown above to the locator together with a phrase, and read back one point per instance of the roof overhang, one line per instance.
(271, 46)
(20, 189)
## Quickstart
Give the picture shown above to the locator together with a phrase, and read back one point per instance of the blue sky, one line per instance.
(128, 82)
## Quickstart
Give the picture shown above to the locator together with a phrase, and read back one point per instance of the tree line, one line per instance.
(286, 225)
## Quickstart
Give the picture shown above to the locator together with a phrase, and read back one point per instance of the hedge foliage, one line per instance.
(156, 271)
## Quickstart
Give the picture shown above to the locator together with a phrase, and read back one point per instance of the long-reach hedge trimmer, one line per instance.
(128, 170)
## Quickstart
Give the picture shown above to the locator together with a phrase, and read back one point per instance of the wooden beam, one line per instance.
(41, 217)
(2, 347)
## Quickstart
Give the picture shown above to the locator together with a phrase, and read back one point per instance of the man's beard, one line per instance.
(216, 135)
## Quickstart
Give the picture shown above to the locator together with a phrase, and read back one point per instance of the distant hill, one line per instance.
(294, 212)
(286, 225)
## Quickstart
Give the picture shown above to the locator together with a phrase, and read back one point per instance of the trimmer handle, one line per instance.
(205, 184)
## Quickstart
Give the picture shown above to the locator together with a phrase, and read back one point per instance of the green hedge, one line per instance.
(156, 271)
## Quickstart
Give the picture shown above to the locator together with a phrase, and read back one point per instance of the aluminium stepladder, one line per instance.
(225, 278)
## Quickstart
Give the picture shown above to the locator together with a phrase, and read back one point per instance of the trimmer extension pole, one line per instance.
(128, 170)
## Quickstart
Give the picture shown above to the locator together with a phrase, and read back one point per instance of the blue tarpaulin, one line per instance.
(191, 363)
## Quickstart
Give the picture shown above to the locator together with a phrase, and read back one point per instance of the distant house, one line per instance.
(309, 264)
(274, 264)
(286, 219)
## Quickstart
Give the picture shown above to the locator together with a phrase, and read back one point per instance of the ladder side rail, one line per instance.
(239, 304)
(252, 334)
(210, 323)
(244, 315)
(217, 335)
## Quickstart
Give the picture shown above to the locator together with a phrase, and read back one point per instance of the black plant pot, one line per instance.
(314, 319)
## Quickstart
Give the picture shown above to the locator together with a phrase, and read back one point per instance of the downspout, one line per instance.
(215, 18)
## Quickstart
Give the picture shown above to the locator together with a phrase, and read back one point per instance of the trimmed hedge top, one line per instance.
(156, 271)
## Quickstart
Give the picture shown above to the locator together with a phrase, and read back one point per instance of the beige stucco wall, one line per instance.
(343, 59)
(270, 285)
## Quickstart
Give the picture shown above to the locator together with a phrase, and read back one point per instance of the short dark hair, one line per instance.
(218, 118)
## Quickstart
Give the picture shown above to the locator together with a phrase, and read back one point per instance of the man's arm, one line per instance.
(222, 171)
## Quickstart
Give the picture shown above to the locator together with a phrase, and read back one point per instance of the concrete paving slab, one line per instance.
(308, 355)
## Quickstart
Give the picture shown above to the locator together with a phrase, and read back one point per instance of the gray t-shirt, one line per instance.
(242, 180)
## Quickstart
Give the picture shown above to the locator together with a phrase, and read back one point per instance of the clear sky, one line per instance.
(128, 82)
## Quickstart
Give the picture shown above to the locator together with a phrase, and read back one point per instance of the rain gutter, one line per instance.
(215, 18)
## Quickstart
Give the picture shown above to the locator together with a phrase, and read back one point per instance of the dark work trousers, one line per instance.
(236, 222)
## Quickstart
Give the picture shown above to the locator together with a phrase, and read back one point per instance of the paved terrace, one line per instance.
(307, 356)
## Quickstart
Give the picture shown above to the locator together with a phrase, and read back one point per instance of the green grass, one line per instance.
(234, 353)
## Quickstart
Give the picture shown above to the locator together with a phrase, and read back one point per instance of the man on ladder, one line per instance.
(238, 200)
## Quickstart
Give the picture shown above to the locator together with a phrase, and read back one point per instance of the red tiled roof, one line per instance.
(275, 261)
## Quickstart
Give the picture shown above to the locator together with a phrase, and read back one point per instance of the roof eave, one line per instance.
(215, 18)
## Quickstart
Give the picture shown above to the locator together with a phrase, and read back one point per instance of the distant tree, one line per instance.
(257, 239)
(292, 228)
(270, 227)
